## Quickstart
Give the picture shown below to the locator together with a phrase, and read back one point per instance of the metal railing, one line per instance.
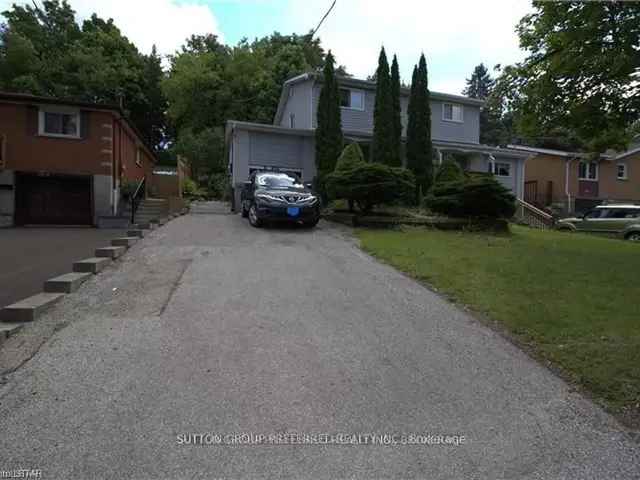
(533, 216)
(137, 197)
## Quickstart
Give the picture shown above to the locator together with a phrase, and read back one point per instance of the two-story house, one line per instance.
(288, 144)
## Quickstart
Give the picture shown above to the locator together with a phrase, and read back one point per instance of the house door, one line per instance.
(53, 200)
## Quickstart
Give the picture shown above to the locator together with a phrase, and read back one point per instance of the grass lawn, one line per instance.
(574, 298)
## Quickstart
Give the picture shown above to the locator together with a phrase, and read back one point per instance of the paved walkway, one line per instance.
(209, 325)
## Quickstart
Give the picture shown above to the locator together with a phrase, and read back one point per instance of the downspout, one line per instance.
(566, 184)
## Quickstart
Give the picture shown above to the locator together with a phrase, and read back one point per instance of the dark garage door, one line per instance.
(53, 200)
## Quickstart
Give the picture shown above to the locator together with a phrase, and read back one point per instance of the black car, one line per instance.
(275, 196)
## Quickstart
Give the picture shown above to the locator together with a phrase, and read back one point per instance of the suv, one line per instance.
(274, 196)
(621, 220)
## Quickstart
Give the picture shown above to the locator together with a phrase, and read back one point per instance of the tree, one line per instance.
(480, 84)
(44, 51)
(580, 73)
(397, 112)
(383, 127)
(329, 130)
(368, 184)
(419, 147)
(493, 123)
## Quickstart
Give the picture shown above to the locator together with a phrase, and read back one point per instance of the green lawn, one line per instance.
(574, 298)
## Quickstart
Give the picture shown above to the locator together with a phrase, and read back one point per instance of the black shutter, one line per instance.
(85, 123)
(32, 120)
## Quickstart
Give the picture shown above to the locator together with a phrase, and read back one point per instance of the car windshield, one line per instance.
(278, 180)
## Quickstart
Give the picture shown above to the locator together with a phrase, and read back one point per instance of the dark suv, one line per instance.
(275, 196)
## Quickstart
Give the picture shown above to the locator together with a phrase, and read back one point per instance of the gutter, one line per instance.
(566, 183)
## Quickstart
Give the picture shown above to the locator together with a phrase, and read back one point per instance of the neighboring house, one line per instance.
(288, 144)
(571, 182)
(62, 163)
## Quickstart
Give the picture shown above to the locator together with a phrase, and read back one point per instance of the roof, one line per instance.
(362, 135)
(365, 85)
(628, 153)
(100, 107)
(548, 151)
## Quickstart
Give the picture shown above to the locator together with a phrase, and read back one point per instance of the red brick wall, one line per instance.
(29, 152)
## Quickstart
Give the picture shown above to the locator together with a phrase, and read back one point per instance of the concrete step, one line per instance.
(146, 226)
(110, 252)
(8, 329)
(29, 309)
(135, 233)
(124, 241)
(91, 265)
(67, 283)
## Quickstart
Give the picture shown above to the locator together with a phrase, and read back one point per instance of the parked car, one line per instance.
(279, 197)
(620, 220)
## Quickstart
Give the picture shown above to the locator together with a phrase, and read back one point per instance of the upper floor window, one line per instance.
(622, 171)
(588, 171)
(292, 120)
(452, 112)
(139, 157)
(353, 99)
(59, 123)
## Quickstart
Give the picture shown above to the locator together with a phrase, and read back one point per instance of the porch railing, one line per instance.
(533, 216)
(137, 197)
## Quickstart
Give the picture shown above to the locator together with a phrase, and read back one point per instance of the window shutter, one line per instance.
(85, 124)
(32, 120)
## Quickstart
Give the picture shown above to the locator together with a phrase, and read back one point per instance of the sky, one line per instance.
(454, 35)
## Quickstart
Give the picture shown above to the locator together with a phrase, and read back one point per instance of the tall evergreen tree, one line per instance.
(383, 128)
(419, 147)
(329, 137)
(480, 84)
(397, 118)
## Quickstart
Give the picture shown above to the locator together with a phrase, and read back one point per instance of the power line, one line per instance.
(323, 19)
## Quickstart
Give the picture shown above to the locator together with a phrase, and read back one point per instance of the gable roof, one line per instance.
(27, 98)
(364, 85)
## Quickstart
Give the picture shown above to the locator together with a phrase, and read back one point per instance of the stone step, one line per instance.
(124, 242)
(147, 225)
(29, 309)
(110, 252)
(139, 233)
(8, 329)
(67, 283)
(91, 265)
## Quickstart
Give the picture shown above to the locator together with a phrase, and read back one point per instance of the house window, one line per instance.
(452, 112)
(55, 123)
(292, 121)
(588, 171)
(622, 171)
(500, 169)
(353, 99)
(139, 157)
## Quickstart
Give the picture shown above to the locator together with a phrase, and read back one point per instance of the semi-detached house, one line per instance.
(288, 144)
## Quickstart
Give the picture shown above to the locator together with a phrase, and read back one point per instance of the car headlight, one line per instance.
(265, 197)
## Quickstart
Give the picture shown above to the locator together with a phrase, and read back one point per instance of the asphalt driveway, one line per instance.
(30, 256)
(208, 326)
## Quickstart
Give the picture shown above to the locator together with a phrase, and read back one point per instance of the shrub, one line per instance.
(370, 184)
(475, 196)
(350, 157)
(219, 186)
(190, 188)
(449, 171)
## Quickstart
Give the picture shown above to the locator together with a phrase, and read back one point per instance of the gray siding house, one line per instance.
(288, 144)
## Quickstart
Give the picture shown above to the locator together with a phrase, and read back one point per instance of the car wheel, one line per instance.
(311, 223)
(633, 237)
(244, 212)
(253, 216)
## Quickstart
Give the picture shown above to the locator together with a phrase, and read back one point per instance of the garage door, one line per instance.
(53, 200)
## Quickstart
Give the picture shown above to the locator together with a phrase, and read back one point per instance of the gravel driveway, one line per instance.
(210, 326)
